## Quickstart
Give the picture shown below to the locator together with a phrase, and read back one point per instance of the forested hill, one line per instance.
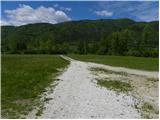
(105, 36)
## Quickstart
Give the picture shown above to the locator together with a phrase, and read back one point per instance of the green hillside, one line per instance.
(104, 36)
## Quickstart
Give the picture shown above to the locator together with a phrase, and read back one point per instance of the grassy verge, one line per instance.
(115, 85)
(150, 64)
(95, 69)
(24, 77)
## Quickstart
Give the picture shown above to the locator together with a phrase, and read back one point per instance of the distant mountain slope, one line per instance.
(84, 36)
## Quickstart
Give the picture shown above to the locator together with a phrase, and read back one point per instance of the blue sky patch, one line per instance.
(24, 12)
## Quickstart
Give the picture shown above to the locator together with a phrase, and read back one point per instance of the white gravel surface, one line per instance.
(78, 96)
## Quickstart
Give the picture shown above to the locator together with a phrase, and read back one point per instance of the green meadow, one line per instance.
(24, 78)
(142, 63)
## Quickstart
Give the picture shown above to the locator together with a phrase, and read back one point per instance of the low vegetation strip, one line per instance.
(24, 78)
(115, 85)
(142, 63)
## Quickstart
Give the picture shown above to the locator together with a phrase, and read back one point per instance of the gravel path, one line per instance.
(78, 96)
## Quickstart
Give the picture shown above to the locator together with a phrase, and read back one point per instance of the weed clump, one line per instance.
(115, 85)
(147, 110)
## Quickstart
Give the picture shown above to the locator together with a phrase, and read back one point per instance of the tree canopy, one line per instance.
(104, 36)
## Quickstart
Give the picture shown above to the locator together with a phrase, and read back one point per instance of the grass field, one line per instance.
(23, 78)
(149, 64)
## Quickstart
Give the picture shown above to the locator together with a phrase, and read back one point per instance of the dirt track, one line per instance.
(77, 94)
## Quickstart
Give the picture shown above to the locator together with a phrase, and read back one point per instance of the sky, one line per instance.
(24, 12)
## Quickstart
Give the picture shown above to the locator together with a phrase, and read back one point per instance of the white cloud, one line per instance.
(148, 18)
(3, 22)
(139, 11)
(55, 5)
(66, 9)
(103, 13)
(26, 14)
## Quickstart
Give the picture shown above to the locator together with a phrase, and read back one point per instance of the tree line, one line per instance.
(105, 37)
